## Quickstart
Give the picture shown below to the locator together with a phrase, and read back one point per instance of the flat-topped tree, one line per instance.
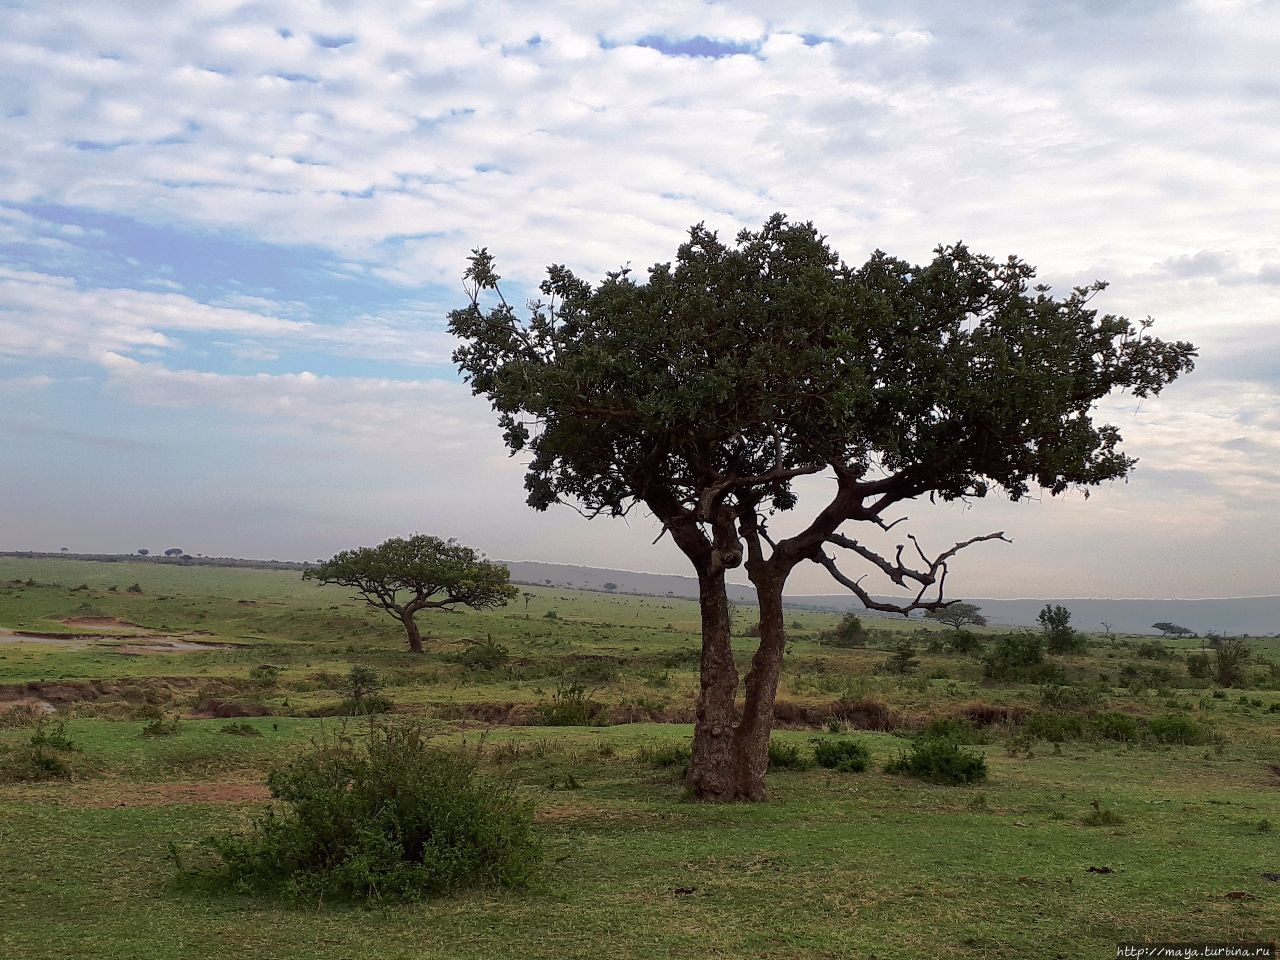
(421, 573)
(705, 390)
(958, 614)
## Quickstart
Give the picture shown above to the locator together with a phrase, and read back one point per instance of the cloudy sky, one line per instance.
(230, 231)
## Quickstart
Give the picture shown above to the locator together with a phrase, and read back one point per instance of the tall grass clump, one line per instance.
(940, 760)
(843, 756)
(384, 816)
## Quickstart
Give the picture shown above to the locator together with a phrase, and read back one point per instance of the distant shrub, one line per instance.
(21, 715)
(964, 641)
(594, 671)
(669, 753)
(940, 760)
(483, 656)
(162, 727)
(265, 674)
(1058, 695)
(1229, 659)
(1101, 817)
(383, 817)
(1012, 656)
(1053, 726)
(1116, 726)
(849, 632)
(241, 730)
(784, 755)
(572, 706)
(959, 729)
(45, 756)
(551, 615)
(903, 661)
(134, 588)
(363, 697)
(1153, 650)
(1180, 729)
(844, 756)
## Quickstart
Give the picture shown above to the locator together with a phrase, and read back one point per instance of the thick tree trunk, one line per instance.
(731, 743)
(713, 766)
(411, 628)
(755, 724)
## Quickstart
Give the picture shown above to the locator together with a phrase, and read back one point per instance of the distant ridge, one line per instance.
(1255, 616)
(1252, 616)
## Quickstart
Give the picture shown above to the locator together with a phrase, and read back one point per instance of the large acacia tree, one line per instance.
(705, 389)
(403, 576)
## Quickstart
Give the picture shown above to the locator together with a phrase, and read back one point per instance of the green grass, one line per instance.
(833, 866)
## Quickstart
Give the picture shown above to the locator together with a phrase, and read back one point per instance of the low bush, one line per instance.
(594, 671)
(959, 729)
(940, 760)
(1116, 726)
(1198, 666)
(1013, 656)
(572, 706)
(162, 727)
(1180, 729)
(1099, 816)
(784, 755)
(669, 753)
(964, 641)
(845, 756)
(45, 756)
(483, 656)
(241, 730)
(848, 633)
(1054, 727)
(382, 817)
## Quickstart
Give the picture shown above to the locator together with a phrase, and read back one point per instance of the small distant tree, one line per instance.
(143, 551)
(527, 597)
(1171, 629)
(174, 552)
(1059, 635)
(903, 660)
(849, 632)
(1229, 657)
(404, 576)
(958, 615)
(611, 587)
(62, 549)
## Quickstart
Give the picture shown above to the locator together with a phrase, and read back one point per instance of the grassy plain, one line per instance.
(835, 865)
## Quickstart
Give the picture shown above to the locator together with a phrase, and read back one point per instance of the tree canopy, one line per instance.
(705, 389)
(403, 576)
(1171, 629)
(958, 614)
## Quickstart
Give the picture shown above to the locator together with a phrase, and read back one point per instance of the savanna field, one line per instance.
(145, 704)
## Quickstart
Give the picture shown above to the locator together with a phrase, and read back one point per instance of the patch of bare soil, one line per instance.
(100, 622)
(167, 645)
(101, 794)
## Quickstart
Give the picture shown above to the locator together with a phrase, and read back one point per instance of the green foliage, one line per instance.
(162, 726)
(1180, 729)
(266, 674)
(1053, 726)
(964, 641)
(1199, 665)
(572, 706)
(958, 615)
(45, 756)
(1100, 816)
(669, 753)
(134, 588)
(382, 817)
(362, 686)
(1153, 650)
(594, 671)
(404, 576)
(903, 661)
(1116, 726)
(842, 755)
(849, 632)
(1229, 658)
(939, 760)
(488, 655)
(1012, 655)
(959, 729)
(1059, 635)
(786, 755)
(1171, 629)
(240, 729)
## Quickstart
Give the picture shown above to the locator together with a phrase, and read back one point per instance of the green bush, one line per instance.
(940, 760)
(903, 660)
(594, 671)
(380, 817)
(1054, 727)
(364, 698)
(241, 730)
(845, 756)
(964, 641)
(572, 706)
(784, 755)
(483, 656)
(1012, 656)
(1180, 729)
(1116, 726)
(959, 729)
(1198, 665)
(849, 632)
(162, 727)
(45, 756)
(669, 753)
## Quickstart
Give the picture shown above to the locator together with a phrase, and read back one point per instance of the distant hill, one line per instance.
(1256, 616)
(1251, 616)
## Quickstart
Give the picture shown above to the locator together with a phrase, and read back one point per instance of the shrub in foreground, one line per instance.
(845, 756)
(784, 755)
(384, 817)
(940, 760)
(1180, 729)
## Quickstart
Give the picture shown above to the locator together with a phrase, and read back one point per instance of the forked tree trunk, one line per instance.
(731, 744)
(712, 765)
(415, 636)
